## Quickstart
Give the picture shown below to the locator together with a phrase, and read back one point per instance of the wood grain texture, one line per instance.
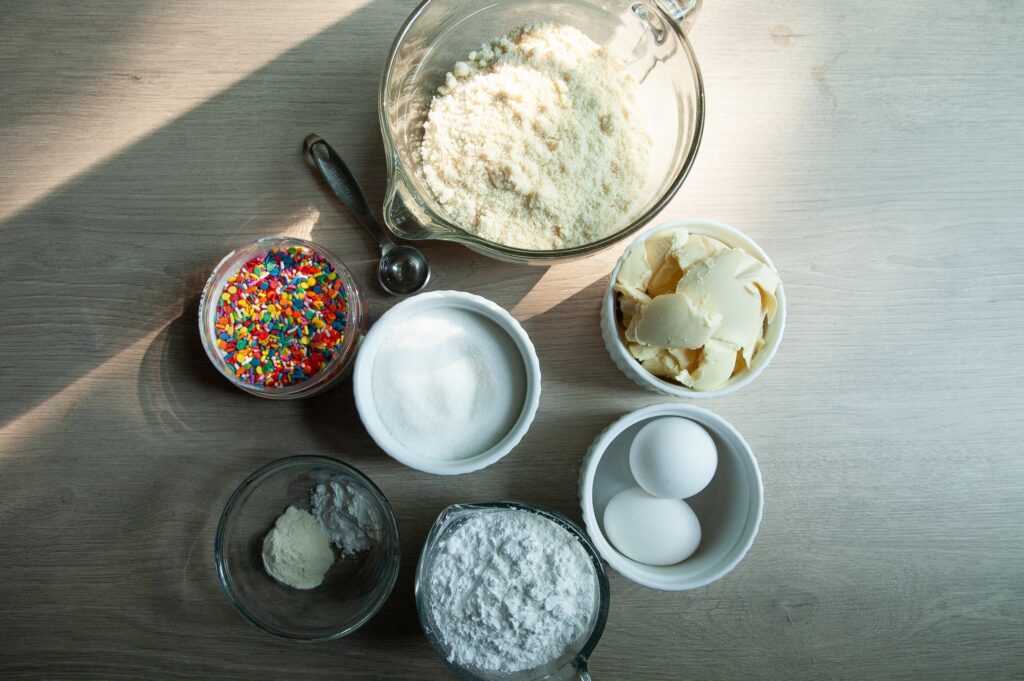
(875, 150)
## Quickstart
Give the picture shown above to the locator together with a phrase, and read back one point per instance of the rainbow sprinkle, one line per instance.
(281, 317)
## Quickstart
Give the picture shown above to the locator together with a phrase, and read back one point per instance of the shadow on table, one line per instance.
(176, 379)
(128, 245)
(179, 199)
(575, 321)
(131, 238)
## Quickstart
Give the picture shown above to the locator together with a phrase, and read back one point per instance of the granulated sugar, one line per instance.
(538, 140)
(510, 590)
(448, 383)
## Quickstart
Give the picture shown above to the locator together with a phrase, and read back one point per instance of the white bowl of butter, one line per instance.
(694, 308)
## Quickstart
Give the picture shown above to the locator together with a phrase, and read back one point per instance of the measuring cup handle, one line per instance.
(582, 674)
(684, 12)
(341, 181)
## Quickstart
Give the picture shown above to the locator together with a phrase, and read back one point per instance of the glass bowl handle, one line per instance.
(574, 671)
(683, 12)
(578, 670)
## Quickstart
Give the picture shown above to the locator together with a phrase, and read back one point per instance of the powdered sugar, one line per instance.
(510, 590)
(345, 516)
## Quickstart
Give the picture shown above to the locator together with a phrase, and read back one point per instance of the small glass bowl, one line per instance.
(339, 366)
(354, 588)
(572, 664)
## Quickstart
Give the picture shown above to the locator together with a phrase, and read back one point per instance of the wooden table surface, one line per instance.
(875, 150)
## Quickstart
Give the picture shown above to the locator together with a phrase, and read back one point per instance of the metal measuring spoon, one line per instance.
(403, 269)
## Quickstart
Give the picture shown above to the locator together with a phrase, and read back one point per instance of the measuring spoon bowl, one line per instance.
(403, 269)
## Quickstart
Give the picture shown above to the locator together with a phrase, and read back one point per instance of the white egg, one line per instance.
(673, 457)
(651, 530)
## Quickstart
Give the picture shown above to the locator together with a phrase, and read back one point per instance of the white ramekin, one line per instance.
(363, 384)
(615, 344)
(729, 508)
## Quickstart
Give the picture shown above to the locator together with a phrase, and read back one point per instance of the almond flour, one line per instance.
(537, 140)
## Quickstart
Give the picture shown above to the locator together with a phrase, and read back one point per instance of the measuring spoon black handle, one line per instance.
(341, 181)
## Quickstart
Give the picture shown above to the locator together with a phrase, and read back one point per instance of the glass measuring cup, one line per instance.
(648, 35)
(573, 663)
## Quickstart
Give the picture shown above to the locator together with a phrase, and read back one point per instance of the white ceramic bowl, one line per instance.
(363, 384)
(729, 508)
(615, 343)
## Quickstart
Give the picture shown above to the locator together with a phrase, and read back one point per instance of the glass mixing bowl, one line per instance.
(648, 36)
(573, 663)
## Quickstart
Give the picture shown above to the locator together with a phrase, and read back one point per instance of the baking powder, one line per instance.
(345, 515)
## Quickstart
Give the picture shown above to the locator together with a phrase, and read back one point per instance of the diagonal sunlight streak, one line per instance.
(733, 154)
(30, 423)
(561, 282)
(138, 92)
(302, 227)
(17, 435)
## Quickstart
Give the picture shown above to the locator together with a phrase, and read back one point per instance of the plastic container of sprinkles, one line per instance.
(282, 318)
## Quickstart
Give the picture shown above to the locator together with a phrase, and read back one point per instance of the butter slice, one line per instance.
(715, 367)
(687, 358)
(664, 362)
(630, 302)
(665, 272)
(665, 278)
(658, 246)
(695, 249)
(643, 352)
(635, 271)
(662, 365)
(730, 285)
(673, 320)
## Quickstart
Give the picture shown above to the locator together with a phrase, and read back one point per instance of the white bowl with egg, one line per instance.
(615, 342)
(447, 382)
(729, 508)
